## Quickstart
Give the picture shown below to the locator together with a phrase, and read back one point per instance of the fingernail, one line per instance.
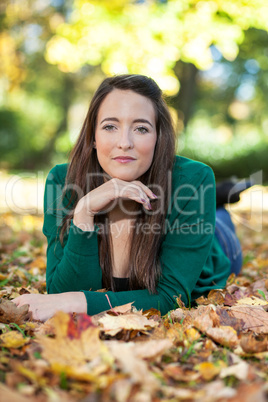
(154, 195)
(149, 206)
(143, 200)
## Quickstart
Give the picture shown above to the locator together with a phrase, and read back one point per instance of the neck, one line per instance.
(126, 209)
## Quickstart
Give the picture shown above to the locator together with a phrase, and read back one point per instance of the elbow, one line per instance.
(173, 301)
(51, 289)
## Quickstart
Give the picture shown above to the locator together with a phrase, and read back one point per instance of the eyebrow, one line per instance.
(134, 121)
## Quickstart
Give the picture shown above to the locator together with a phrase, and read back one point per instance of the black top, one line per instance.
(121, 284)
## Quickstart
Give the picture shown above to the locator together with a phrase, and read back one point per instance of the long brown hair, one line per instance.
(144, 266)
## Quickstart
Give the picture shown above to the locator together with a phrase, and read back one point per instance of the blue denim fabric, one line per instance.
(226, 235)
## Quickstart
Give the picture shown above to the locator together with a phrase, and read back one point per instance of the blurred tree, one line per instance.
(56, 52)
(152, 36)
(37, 95)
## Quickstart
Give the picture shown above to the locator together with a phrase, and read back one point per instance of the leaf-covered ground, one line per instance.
(216, 351)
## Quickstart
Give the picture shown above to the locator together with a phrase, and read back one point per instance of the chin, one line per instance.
(125, 177)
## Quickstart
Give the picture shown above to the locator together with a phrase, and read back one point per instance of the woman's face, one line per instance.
(125, 134)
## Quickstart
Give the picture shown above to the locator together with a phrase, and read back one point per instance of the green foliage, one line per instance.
(56, 54)
(153, 36)
(261, 293)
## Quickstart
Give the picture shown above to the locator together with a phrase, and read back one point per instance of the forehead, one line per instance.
(126, 103)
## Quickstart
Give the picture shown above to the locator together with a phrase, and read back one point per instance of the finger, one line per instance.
(144, 201)
(16, 301)
(136, 193)
(146, 189)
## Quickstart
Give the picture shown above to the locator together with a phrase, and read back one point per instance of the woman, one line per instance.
(126, 214)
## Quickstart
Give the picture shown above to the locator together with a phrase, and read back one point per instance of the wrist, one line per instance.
(83, 218)
(82, 208)
(83, 225)
(77, 302)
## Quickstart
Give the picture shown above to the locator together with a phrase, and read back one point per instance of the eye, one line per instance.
(109, 127)
(142, 129)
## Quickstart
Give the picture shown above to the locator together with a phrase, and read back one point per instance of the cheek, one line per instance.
(103, 147)
(148, 148)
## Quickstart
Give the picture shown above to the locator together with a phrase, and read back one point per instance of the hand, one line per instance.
(102, 196)
(44, 307)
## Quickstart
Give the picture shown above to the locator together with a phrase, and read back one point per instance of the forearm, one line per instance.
(142, 300)
(83, 218)
(44, 307)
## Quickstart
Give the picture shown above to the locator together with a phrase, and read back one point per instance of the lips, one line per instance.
(124, 159)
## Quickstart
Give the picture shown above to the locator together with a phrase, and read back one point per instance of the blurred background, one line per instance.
(209, 57)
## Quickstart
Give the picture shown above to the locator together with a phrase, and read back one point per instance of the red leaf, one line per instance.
(75, 328)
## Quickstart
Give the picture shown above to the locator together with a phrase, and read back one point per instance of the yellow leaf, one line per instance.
(69, 347)
(31, 375)
(12, 339)
(208, 370)
(39, 262)
(175, 333)
(192, 334)
(81, 373)
(252, 301)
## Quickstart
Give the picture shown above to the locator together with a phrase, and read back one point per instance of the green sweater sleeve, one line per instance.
(184, 251)
(77, 263)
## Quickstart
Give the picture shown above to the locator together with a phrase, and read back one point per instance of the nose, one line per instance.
(125, 139)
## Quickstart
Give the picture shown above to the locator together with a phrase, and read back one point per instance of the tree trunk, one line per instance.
(183, 102)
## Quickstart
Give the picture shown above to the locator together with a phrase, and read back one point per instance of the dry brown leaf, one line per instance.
(9, 312)
(215, 296)
(177, 315)
(255, 318)
(242, 281)
(125, 308)
(121, 389)
(227, 320)
(250, 393)
(207, 319)
(179, 302)
(261, 284)
(13, 339)
(229, 300)
(131, 364)
(252, 343)
(175, 334)
(152, 313)
(202, 300)
(239, 371)
(217, 391)
(179, 373)
(47, 328)
(209, 345)
(152, 348)
(132, 321)
(10, 395)
(225, 336)
(182, 394)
